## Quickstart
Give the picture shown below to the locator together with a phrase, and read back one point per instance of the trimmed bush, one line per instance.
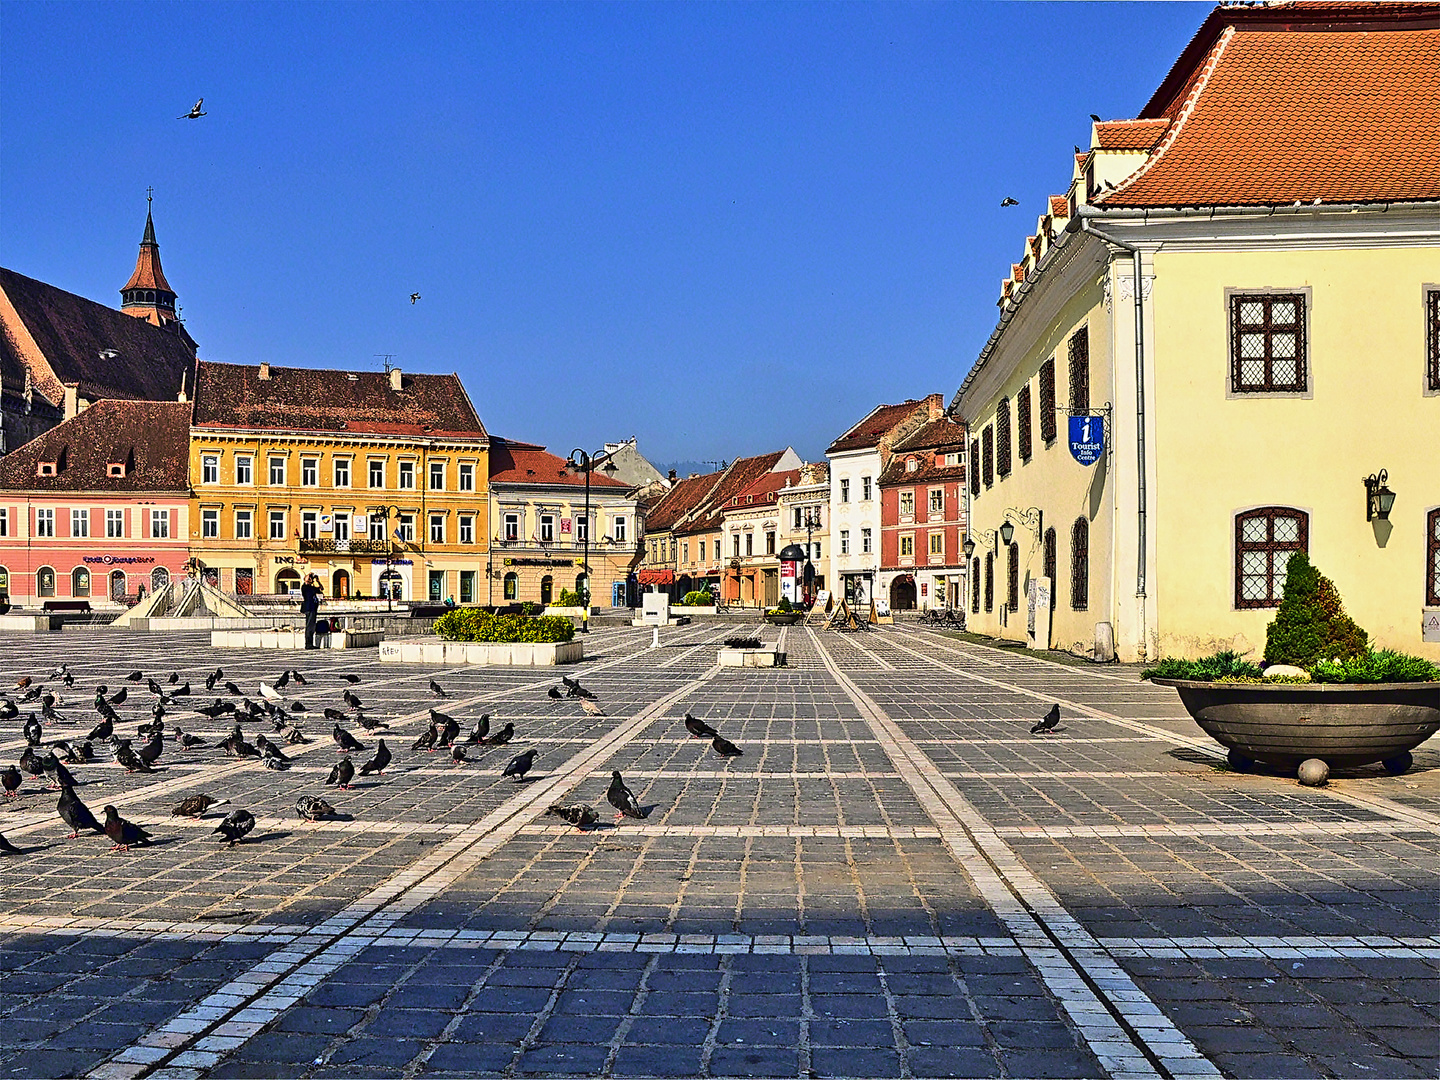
(698, 598)
(1223, 665)
(1311, 624)
(1383, 666)
(473, 624)
(568, 598)
(529, 607)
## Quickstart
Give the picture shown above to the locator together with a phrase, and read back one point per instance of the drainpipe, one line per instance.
(1140, 514)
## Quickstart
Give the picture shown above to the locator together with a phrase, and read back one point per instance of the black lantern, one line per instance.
(1378, 497)
(1007, 533)
(968, 547)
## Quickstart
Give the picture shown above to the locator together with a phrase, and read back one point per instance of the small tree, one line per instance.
(1310, 624)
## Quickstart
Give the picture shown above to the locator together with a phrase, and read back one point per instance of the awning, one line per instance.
(656, 576)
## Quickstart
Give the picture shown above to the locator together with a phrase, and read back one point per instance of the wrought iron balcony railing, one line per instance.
(324, 546)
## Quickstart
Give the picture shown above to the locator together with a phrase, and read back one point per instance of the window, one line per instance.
(975, 585)
(989, 581)
(620, 530)
(511, 527)
(309, 472)
(845, 490)
(160, 524)
(277, 524)
(467, 529)
(1080, 372)
(80, 582)
(44, 522)
(244, 524)
(1267, 342)
(340, 524)
(937, 502)
(1080, 564)
(79, 522)
(907, 504)
(1264, 541)
(406, 529)
(865, 541)
(1002, 438)
(209, 523)
(799, 519)
(377, 529)
(769, 543)
(407, 475)
(582, 529)
(45, 580)
(467, 477)
(377, 473)
(512, 586)
(244, 469)
(735, 544)
(309, 524)
(114, 524)
(342, 472)
(974, 472)
(1047, 401)
(277, 472)
(907, 546)
(865, 488)
(749, 544)
(547, 528)
(1432, 559)
(1022, 422)
(437, 476)
(5, 524)
(987, 456)
(1047, 558)
(1012, 581)
(844, 541)
(1432, 335)
(437, 528)
(816, 553)
(937, 543)
(702, 551)
(209, 468)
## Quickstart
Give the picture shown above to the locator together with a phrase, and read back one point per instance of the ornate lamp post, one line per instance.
(583, 461)
(385, 513)
(812, 522)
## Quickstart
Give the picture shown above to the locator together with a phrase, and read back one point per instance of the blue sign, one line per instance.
(1087, 438)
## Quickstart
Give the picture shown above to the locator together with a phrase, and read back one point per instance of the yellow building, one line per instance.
(1239, 298)
(377, 481)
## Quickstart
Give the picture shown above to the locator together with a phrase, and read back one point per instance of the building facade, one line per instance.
(923, 518)
(750, 540)
(1212, 341)
(376, 481)
(804, 509)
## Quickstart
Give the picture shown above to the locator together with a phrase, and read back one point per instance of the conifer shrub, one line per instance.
(698, 598)
(1310, 624)
(1227, 665)
(1380, 666)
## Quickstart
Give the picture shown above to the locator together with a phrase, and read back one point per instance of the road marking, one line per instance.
(1126, 1031)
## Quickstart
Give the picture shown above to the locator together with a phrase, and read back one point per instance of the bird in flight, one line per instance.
(194, 113)
(414, 296)
(1007, 201)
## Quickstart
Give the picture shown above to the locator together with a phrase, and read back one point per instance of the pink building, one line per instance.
(97, 508)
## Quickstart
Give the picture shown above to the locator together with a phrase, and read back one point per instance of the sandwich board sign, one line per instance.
(1087, 438)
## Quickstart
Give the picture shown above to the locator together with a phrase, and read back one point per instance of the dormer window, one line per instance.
(46, 468)
(115, 468)
(911, 464)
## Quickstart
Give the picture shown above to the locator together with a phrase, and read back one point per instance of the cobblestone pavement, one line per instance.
(895, 879)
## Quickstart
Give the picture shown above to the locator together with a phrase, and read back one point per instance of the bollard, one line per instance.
(655, 638)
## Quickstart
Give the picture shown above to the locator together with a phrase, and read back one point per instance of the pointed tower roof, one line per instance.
(148, 274)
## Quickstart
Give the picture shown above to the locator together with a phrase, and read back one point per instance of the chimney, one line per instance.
(936, 403)
(265, 371)
(395, 379)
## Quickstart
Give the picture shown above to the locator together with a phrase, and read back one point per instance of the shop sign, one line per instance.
(392, 562)
(539, 562)
(1087, 438)
(114, 560)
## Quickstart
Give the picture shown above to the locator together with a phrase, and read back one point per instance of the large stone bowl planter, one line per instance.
(1342, 724)
(784, 618)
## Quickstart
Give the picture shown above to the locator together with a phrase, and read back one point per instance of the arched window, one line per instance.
(1080, 564)
(80, 581)
(45, 581)
(975, 585)
(1432, 558)
(512, 585)
(990, 581)
(1264, 541)
(1012, 583)
(1002, 438)
(117, 586)
(159, 578)
(340, 585)
(287, 581)
(547, 589)
(4, 582)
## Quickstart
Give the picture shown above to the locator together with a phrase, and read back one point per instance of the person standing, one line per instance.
(310, 594)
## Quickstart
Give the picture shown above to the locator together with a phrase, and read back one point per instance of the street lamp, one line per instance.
(385, 513)
(1378, 497)
(812, 522)
(579, 459)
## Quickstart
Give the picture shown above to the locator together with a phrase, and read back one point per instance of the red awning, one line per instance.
(655, 576)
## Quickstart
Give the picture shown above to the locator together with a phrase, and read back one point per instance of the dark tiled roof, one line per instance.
(740, 475)
(151, 438)
(319, 399)
(680, 500)
(942, 434)
(514, 462)
(108, 353)
(873, 428)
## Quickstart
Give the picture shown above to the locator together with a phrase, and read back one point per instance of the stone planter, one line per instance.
(784, 618)
(452, 653)
(1342, 724)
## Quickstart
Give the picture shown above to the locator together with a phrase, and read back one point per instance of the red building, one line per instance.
(923, 519)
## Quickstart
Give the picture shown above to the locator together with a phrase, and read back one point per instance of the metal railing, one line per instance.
(358, 546)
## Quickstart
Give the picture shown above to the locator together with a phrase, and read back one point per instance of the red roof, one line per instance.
(150, 440)
(680, 500)
(876, 426)
(740, 475)
(514, 462)
(148, 274)
(1059, 206)
(1130, 134)
(1282, 103)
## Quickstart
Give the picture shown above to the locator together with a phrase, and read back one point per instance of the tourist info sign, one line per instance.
(1087, 438)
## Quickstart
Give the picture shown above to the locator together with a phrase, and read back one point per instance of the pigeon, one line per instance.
(724, 747)
(33, 734)
(154, 688)
(590, 708)
(519, 765)
(579, 691)
(292, 735)
(195, 805)
(120, 696)
(184, 691)
(623, 799)
(195, 112)
(236, 825)
(377, 763)
(236, 746)
(1008, 201)
(126, 757)
(501, 737)
(414, 296)
(568, 682)
(76, 814)
(341, 775)
(135, 676)
(231, 688)
(59, 775)
(30, 763)
(344, 741)
(70, 755)
(449, 729)
(1095, 117)
(10, 777)
(577, 814)
(269, 693)
(352, 679)
(437, 689)
(150, 752)
(8, 709)
(698, 728)
(482, 729)
(174, 678)
(554, 693)
(1047, 722)
(426, 741)
(275, 763)
(270, 750)
(313, 808)
(300, 680)
(283, 681)
(9, 848)
(370, 723)
(187, 740)
(60, 672)
(123, 832)
(334, 714)
(23, 681)
(458, 756)
(351, 700)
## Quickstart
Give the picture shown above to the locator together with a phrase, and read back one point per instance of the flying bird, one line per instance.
(519, 765)
(1008, 201)
(623, 799)
(236, 825)
(414, 296)
(123, 833)
(577, 814)
(1047, 722)
(194, 113)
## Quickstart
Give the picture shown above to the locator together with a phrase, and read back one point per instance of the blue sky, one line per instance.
(720, 227)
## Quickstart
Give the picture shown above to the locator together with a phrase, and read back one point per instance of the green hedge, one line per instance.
(698, 598)
(1223, 665)
(568, 598)
(1382, 665)
(473, 624)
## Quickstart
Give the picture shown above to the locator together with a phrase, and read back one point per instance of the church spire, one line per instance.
(147, 295)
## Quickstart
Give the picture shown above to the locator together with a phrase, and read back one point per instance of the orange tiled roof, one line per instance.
(148, 274)
(513, 462)
(876, 426)
(1298, 102)
(680, 500)
(1130, 134)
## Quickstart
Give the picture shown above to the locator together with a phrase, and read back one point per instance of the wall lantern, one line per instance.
(1378, 497)
(1007, 533)
(968, 546)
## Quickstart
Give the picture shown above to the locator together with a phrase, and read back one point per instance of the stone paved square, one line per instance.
(894, 879)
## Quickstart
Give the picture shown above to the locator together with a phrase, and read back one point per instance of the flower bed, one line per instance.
(475, 625)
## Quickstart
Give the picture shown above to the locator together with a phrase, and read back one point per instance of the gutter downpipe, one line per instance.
(1140, 514)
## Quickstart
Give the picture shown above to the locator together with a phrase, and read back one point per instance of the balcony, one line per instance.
(319, 546)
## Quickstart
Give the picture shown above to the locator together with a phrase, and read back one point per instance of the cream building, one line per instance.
(805, 518)
(1241, 293)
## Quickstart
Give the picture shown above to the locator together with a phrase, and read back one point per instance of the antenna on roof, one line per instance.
(386, 357)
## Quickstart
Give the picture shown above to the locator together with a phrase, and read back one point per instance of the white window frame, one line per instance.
(244, 524)
(340, 525)
(844, 541)
(340, 472)
(278, 525)
(309, 524)
(209, 524)
(467, 476)
(309, 472)
(844, 489)
(467, 528)
(620, 529)
(865, 489)
(406, 528)
(245, 470)
(582, 528)
(159, 524)
(547, 528)
(114, 524)
(867, 539)
(405, 478)
(373, 466)
(437, 469)
(437, 528)
(209, 468)
(45, 522)
(510, 526)
(80, 523)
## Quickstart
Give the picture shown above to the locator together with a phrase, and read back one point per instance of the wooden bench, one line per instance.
(66, 605)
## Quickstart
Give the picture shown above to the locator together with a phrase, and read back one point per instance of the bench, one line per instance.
(66, 605)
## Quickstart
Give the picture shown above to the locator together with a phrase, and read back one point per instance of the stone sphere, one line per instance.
(1313, 772)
